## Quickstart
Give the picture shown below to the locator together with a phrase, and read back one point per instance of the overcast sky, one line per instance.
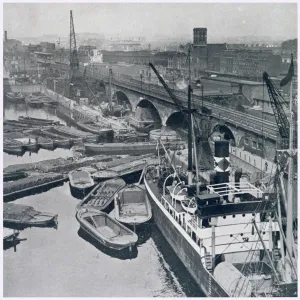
(150, 20)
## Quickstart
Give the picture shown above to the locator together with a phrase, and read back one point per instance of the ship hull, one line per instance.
(184, 250)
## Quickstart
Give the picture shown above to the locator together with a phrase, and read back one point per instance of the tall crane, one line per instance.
(74, 62)
(286, 131)
(89, 88)
(207, 160)
(177, 102)
(277, 103)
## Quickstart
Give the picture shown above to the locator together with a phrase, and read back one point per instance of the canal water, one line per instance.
(64, 262)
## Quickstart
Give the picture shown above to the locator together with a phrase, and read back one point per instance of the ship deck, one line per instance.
(174, 203)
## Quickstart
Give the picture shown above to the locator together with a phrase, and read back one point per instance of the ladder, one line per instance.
(208, 261)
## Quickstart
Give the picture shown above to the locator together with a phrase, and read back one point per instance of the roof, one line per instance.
(169, 53)
(43, 53)
(233, 80)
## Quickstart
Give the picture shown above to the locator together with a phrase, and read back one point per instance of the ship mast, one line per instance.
(110, 91)
(289, 226)
(190, 146)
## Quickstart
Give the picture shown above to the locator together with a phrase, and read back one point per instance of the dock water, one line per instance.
(47, 248)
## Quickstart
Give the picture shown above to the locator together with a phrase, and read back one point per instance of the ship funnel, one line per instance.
(222, 161)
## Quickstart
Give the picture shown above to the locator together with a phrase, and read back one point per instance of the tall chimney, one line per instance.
(5, 35)
(222, 162)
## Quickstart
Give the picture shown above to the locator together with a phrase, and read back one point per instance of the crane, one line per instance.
(286, 131)
(89, 88)
(277, 103)
(207, 160)
(74, 62)
(177, 102)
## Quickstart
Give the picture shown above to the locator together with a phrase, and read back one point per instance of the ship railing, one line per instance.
(226, 189)
(185, 220)
(193, 222)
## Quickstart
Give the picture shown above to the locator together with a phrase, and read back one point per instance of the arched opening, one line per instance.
(56, 74)
(121, 104)
(122, 99)
(223, 132)
(101, 85)
(178, 122)
(146, 111)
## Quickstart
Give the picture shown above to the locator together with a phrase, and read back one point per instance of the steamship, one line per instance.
(226, 233)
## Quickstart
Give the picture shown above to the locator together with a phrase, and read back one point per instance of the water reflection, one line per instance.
(168, 258)
(29, 157)
(12, 111)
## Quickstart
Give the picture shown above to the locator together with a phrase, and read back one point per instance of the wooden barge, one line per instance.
(128, 148)
(22, 216)
(30, 183)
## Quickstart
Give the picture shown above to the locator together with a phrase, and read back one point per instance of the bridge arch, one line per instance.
(122, 99)
(101, 84)
(146, 110)
(226, 133)
(177, 120)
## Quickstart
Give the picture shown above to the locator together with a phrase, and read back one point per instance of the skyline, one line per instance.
(151, 20)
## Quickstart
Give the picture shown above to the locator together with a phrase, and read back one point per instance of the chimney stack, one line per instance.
(5, 35)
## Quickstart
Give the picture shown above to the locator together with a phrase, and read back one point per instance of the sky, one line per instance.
(152, 19)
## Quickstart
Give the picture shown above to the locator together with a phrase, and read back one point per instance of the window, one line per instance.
(246, 141)
(254, 144)
(259, 146)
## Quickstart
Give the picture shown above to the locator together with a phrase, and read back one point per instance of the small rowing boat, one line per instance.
(81, 181)
(102, 195)
(105, 229)
(132, 205)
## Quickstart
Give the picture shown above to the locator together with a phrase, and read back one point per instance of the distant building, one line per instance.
(129, 44)
(47, 47)
(86, 49)
(43, 58)
(11, 45)
(165, 58)
(130, 57)
(203, 54)
(286, 59)
(199, 51)
(249, 63)
(34, 48)
(96, 56)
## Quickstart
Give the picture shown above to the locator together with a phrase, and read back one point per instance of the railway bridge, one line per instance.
(245, 131)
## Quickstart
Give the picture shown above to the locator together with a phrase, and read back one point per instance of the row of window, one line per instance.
(255, 144)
